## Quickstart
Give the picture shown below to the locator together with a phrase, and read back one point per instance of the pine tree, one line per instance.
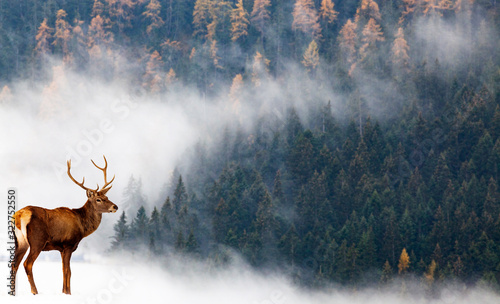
(328, 12)
(260, 69)
(404, 262)
(152, 13)
(154, 225)
(430, 273)
(367, 250)
(139, 227)
(191, 246)
(122, 233)
(152, 79)
(387, 272)
(43, 37)
(265, 221)
(288, 245)
(180, 244)
(166, 220)
(347, 42)
(98, 36)
(311, 57)
(306, 19)
(410, 6)
(78, 45)
(372, 34)
(368, 9)
(235, 93)
(180, 195)
(62, 35)
(121, 13)
(239, 22)
(170, 78)
(201, 17)
(278, 188)
(260, 15)
(97, 9)
(400, 50)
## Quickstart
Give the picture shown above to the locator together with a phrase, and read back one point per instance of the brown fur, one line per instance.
(59, 229)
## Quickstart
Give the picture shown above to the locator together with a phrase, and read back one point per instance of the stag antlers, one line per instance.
(104, 170)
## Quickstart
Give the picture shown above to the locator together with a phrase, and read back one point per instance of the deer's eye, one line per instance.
(99, 200)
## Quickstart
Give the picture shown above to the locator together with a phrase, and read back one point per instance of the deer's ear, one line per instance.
(90, 193)
(104, 191)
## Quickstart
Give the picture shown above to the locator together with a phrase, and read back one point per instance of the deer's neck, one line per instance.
(89, 218)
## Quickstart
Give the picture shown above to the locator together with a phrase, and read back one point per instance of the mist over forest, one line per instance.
(317, 145)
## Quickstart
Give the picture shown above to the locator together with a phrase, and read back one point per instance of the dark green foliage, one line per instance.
(333, 185)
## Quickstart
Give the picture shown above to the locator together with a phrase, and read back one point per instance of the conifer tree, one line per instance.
(235, 93)
(139, 227)
(79, 44)
(347, 42)
(372, 34)
(152, 79)
(97, 9)
(387, 271)
(43, 37)
(404, 262)
(311, 57)
(306, 19)
(239, 22)
(99, 36)
(154, 225)
(62, 35)
(122, 233)
(121, 13)
(430, 273)
(260, 15)
(152, 13)
(201, 17)
(328, 12)
(368, 9)
(289, 243)
(180, 198)
(400, 50)
(191, 245)
(260, 69)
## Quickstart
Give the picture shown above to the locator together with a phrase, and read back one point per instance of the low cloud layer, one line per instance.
(121, 280)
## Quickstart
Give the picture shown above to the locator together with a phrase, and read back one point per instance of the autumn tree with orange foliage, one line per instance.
(372, 33)
(62, 35)
(368, 9)
(399, 50)
(239, 22)
(260, 69)
(404, 262)
(311, 57)
(121, 13)
(200, 17)
(260, 15)
(328, 12)
(152, 79)
(98, 36)
(347, 41)
(235, 93)
(306, 19)
(152, 14)
(42, 38)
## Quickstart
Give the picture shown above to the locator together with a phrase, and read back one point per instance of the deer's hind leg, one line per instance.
(37, 240)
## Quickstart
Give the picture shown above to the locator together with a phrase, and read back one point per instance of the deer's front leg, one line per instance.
(66, 257)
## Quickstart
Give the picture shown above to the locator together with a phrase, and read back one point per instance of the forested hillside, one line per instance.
(383, 160)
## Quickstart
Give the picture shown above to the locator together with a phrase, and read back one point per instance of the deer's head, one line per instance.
(97, 197)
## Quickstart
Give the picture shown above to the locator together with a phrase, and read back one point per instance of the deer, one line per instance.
(61, 229)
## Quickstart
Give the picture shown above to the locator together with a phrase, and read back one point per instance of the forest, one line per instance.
(385, 165)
